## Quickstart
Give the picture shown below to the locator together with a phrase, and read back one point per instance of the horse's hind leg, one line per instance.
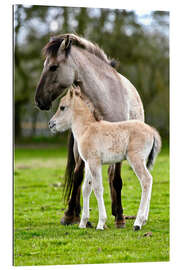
(145, 179)
(115, 182)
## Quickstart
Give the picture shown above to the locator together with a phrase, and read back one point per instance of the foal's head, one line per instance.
(62, 119)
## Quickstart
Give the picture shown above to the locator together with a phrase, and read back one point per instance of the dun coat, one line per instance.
(103, 142)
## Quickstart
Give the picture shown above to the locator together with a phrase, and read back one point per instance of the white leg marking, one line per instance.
(98, 191)
(87, 188)
(145, 179)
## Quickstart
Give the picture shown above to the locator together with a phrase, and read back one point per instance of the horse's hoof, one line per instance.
(137, 228)
(69, 220)
(130, 217)
(120, 223)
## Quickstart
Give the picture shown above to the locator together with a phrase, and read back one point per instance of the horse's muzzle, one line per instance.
(42, 106)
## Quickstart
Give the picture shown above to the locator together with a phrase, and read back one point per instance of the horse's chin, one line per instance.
(44, 107)
(58, 93)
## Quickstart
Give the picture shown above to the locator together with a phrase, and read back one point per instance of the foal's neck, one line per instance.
(82, 117)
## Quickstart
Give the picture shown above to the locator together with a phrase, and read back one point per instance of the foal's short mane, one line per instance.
(95, 112)
(51, 48)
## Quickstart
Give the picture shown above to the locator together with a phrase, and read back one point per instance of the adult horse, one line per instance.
(71, 59)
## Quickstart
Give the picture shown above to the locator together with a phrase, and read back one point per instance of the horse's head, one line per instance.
(62, 119)
(58, 72)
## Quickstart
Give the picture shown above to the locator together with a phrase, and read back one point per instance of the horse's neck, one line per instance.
(88, 74)
(82, 118)
(100, 84)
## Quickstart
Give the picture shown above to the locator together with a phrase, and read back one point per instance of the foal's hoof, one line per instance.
(137, 228)
(70, 220)
(101, 228)
(89, 225)
(82, 226)
(104, 227)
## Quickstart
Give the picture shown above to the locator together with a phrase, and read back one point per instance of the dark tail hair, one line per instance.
(69, 173)
(155, 149)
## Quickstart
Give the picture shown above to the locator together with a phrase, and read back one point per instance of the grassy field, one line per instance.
(39, 239)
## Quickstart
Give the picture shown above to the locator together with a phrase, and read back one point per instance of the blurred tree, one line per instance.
(83, 20)
(143, 52)
(66, 19)
(26, 60)
(21, 78)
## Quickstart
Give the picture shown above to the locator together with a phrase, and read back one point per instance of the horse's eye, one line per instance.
(53, 68)
(62, 108)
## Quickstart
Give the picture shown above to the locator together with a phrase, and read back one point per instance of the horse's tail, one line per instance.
(155, 149)
(69, 173)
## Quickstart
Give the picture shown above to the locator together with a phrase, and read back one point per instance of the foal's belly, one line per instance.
(111, 158)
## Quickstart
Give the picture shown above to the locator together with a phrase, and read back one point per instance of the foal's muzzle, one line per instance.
(52, 124)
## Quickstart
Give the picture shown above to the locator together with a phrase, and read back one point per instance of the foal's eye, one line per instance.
(62, 108)
(53, 68)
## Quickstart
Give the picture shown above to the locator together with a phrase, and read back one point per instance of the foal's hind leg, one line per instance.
(145, 178)
(115, 182)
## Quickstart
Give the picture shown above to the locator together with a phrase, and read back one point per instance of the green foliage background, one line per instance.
(142, 52)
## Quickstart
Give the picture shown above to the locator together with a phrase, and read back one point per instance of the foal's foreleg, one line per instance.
(145, 179)
(97, 185)
(86, 190)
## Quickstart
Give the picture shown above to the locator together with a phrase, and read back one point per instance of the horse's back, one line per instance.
(135, 105)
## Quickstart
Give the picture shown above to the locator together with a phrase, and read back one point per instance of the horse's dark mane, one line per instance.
(51, 48)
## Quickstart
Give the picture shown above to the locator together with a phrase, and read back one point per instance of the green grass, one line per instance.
(39, 239)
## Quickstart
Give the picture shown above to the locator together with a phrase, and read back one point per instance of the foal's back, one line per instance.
(112, 141)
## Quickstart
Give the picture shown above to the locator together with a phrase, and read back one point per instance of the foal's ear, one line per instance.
(71, 92)
(77, 91)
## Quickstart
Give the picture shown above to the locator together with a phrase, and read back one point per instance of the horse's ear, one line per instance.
(66, 43)
(63, 45)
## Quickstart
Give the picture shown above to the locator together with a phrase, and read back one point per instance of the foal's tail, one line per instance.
(155, 149)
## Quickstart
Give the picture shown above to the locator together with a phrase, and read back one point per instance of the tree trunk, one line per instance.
(17, 121)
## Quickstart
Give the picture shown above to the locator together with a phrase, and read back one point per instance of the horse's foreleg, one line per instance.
(115, 182)
(72, 214)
